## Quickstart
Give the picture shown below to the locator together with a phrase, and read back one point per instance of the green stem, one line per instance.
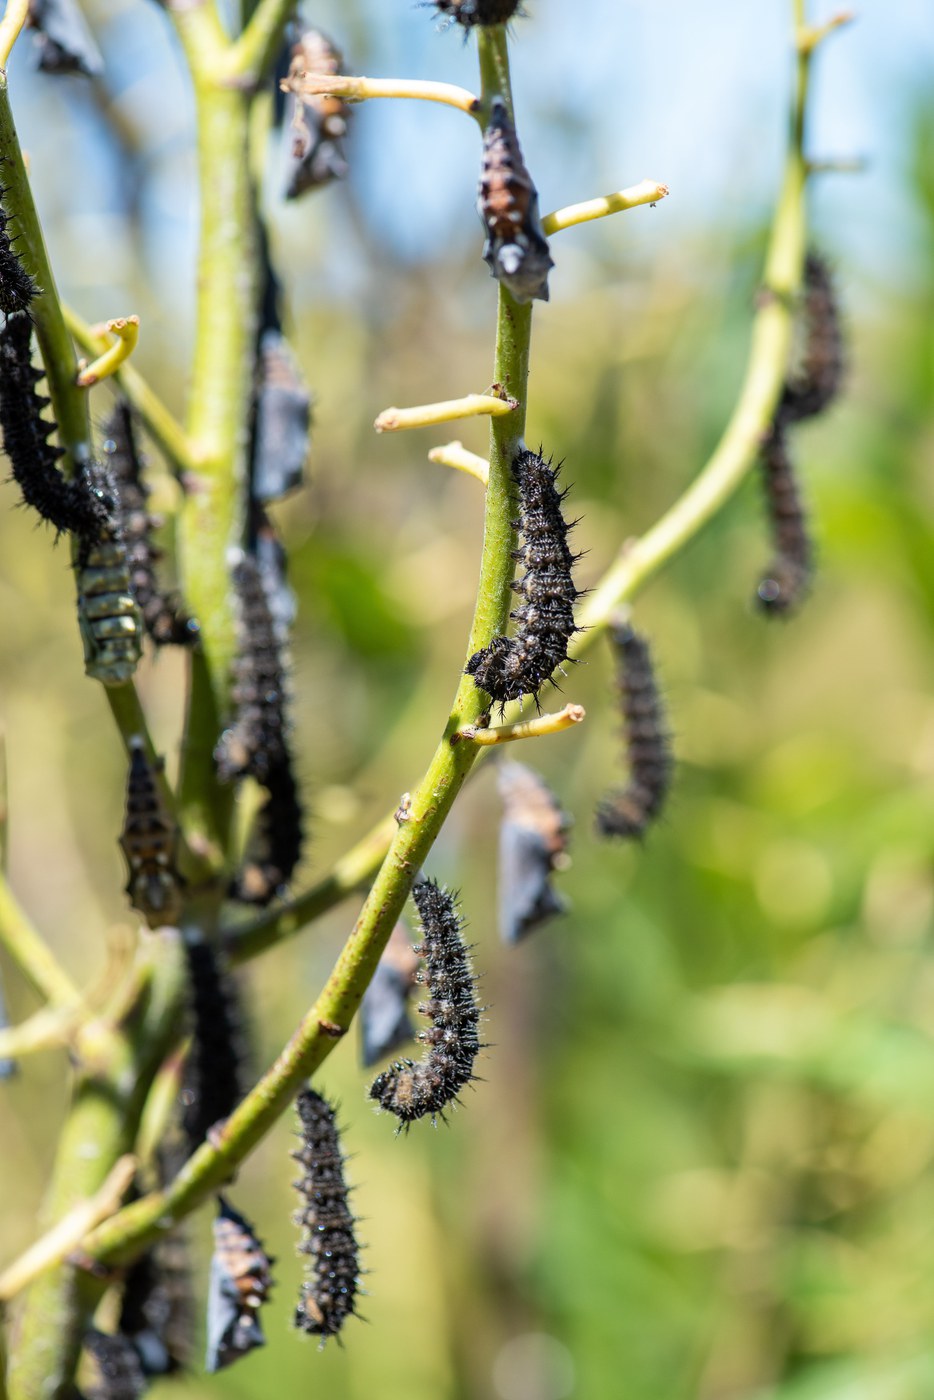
(254, 51)
(330, 1017)
(120, 1055)
(717, 482)
(211, 520)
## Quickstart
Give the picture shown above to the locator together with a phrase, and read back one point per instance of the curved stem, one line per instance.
(32, 955)
(330, 1017)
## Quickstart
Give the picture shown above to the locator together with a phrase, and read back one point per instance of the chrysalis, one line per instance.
(110, 622)
(516, 248)
(118, 1372)
(533, 841)
(17, 287)
(7, 1067)
(629, 812)
(282, 421)
(328, 1295)
(411, 1090)
(511, 667)
(213, 1085)
(789, 574)
(163, 616)
(68, 505)
(240, 1281)
(315, 127)
(66, 44)
(384, 1011)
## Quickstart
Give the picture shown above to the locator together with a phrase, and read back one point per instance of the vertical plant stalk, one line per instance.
(118, 1056)
(124, 1236)
(211, 519)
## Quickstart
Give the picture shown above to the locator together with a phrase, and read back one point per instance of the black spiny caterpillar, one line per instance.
(149, 842)
(118, 1371)
(163, 617)
(68, 505)
(17, 287)
(241, 1277)
(255, 743)
(817, 381)
(328, 1294)
(511, 667)
(629, 812)
(276, 843)
(213, 1086)
(787, 577)
(411, 1090)
(516, 248)
(471, 12)
(156, 1310)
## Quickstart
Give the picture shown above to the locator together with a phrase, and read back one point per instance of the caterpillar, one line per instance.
(163, 616)
(213, 1084)
(68, 505)
(110, 623)
(254, 744)
(241, 1277)
(149, 842)
(471, 12)
(329, 1292)
(819, 377)
(411, 1090)
(156, 1307)
(276, 845)
(516, 248)
(533, 841)
(17, 286)
(317, 126)
(788, 575)
(65, 43)
(281, 421)
(384, 1013)
(118, 1371)
(511, 667)
(629, 812)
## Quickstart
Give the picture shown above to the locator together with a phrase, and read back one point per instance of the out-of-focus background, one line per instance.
(699, 1164)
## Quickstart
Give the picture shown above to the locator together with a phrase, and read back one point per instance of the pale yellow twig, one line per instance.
(126, 331)
(68, 1232)
(525, 729)
(813, 34)
(646, 192)
(838, 165)
(456, 455)
(394, 420)
(14, 17)
(31, 954)
(359, 89)
(48, 1029)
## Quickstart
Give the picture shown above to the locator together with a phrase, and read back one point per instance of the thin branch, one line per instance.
(67, 1233)
(254, 52)
(524, 729)
(31, 954)
(456, 455)
(360, 89)
(646, 192)
(14, 17)
(396, 420)
(125, 330)
(330, 1017)
(164, 429)
(51, 1028)
(810, 35)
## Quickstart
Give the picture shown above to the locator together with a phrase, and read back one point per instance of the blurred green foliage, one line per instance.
(699, 1163)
